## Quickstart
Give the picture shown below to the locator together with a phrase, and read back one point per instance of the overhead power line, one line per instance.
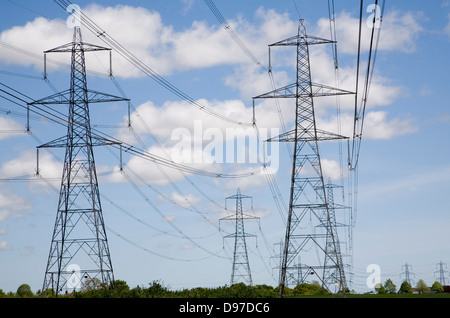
(130, 57)
(232, 34)
(361, 100)
(51, 114)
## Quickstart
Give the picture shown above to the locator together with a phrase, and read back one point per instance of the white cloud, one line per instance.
(189, 136)
(381, 91)
(169, 219)
(250, 81)
(13, 205)
(187, 5)
(163, 121)
(4, 246)
(399, 32)
(35, 37)
(377, 125)
(331, 169)
(413, 182)
(9, 128)
(25, 164)
(201, 45)
(186, 200)
(143, 33)
(143, 171)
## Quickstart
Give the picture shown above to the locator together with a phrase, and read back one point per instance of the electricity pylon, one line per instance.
(407, 273)
(309, 227)
(442, 278)
(79, 247)
(241, 267)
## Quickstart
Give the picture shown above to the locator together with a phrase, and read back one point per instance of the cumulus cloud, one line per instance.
(13, 205)
(162, 121)
(143, 33)
(9, 128)
(399, 31)
(35, 37)
(377, 125)
(249, 81)
(201, 45)
(331, 169)
(186, 200)
(4, 246)
(143, 171)
(25, 164)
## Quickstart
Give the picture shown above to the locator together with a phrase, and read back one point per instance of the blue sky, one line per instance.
(401, 213)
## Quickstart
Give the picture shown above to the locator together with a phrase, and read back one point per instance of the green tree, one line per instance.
(381, 290)
(120, 289)
(48, 293)
(378, 287)
(24, 291)
(264, 291)
(240, 290)
(309, 289)
(155, 290)
(405, 288)
(437, 287)
(91, 284)
(421, 286)
(390, 286)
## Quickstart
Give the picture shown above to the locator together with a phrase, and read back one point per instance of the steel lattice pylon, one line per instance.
(79, 247)
(241, 266)
(310, 232)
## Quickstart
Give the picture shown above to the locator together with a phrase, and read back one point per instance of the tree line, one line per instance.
(405, 288)
(120, 289)
(93, 288)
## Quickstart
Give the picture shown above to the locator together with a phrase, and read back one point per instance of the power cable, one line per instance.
(359, 113)
(233, 34)
(118, 144)
(120, 49)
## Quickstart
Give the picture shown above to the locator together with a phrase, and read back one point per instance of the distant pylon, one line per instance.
(241, 267)
(407, 273)
(79, 247)
(442, 278)
(307, 180)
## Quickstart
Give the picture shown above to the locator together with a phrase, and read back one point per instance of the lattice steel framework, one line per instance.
(310, 234)
(79, 248)
(241, 267)
(333, 275)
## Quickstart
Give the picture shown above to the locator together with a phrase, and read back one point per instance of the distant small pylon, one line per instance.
(241, 267)
(442, 279)
(407, 273)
